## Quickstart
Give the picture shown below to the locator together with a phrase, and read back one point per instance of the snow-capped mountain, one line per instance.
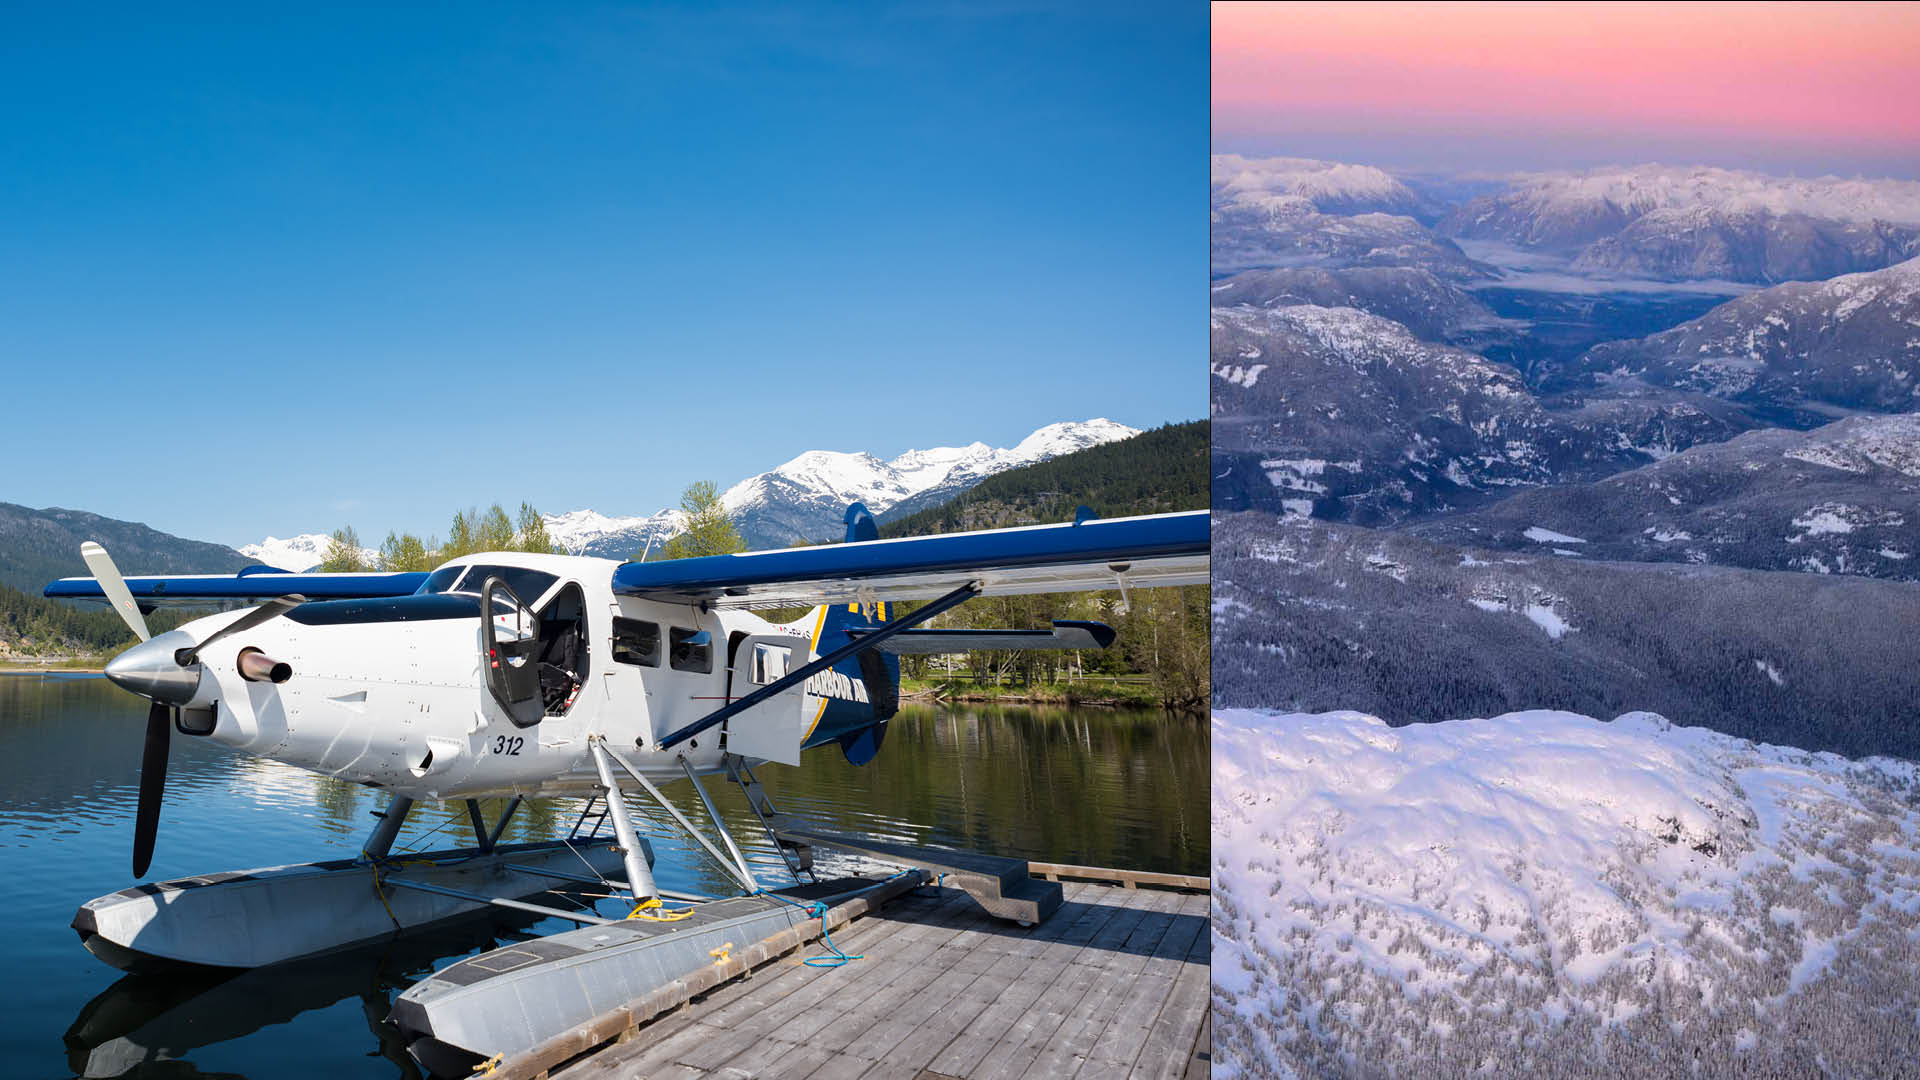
(805, 498)
(1843, 499)
(1545, 894)
(1329, 186)
(1286, 230)
(297, 553)
(1564, 208)
(1849, 343)
(1292, 212)
(1701, 223)
(1333, 412)
(589, 532)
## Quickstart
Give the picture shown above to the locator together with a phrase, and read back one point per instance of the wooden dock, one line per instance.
(1114, 984)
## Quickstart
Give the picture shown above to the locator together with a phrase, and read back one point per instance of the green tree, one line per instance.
(343, 552)
(1166, 635)
(709, 531)
(494, 531)
(460, 535)
(532, 531)
(404, 552)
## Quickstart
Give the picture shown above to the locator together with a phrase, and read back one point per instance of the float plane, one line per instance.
(519, 675)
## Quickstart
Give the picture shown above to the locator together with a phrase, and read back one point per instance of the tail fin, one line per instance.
(857, 696)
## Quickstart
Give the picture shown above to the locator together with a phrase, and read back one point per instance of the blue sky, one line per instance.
(271, 273)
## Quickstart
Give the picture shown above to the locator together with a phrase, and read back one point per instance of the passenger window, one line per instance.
(636, 642)
(690, 650)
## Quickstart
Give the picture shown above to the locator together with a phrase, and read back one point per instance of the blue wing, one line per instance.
(1160, 549)
(253, 583)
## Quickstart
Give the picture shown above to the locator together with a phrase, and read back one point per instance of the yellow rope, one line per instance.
(720, 954)
(640, 912)
(381, 892)
(486, 1067)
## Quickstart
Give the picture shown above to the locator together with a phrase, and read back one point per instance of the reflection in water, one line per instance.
(147, 1023)
(1095, 787)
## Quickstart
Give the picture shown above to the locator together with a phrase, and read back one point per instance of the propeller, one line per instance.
(115, 586)
(153, 783)
(150, 670)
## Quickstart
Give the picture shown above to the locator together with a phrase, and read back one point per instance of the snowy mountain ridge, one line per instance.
(1328, 186)
(802, 499)
(296, 553)
(882, 484)
(1543, 893)
(576, 530)
(1641, 189)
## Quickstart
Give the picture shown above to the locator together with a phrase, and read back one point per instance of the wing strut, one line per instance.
(799, 675)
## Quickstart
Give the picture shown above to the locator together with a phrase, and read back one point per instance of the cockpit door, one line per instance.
(509, 644)
(771, 730)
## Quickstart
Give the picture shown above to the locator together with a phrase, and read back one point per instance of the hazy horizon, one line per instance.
(1788, 89)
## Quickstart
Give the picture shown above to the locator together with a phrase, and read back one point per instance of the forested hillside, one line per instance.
(31, 625)
(1313, 616)
(1154, 472)
(37, 546)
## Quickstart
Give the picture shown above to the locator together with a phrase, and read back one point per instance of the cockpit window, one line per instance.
(528, 585)
(440, 580)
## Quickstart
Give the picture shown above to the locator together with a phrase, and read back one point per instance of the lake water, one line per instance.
(1096, 787)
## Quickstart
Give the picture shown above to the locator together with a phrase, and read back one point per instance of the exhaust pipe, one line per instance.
(256, 666)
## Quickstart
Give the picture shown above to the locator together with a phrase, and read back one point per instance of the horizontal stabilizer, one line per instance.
(1064, 635)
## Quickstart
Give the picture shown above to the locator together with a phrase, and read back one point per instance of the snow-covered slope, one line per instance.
(1852, 342)
(296, 553)
(1434, 310)
(1843, 498)
(1546, 894)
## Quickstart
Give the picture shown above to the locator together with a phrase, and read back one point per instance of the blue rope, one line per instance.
(818, 910)
(836, 958)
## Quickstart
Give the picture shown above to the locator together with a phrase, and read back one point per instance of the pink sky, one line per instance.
(1809, 75)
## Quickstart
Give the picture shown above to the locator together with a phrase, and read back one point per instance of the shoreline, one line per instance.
(1047, 695)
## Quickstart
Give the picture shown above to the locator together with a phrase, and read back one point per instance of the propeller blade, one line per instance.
(111, 583)
(272, 609)
(153, 782)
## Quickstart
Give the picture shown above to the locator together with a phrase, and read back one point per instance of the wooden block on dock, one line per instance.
(1003, 886)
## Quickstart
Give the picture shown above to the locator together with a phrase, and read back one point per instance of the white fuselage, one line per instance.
(404, 705)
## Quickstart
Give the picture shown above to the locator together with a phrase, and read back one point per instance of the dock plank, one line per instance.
(1115, 981)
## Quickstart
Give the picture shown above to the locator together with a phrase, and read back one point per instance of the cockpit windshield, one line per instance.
(440, 580)
(528, 585)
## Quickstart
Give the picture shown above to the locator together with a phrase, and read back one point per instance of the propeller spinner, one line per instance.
(166, 670)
